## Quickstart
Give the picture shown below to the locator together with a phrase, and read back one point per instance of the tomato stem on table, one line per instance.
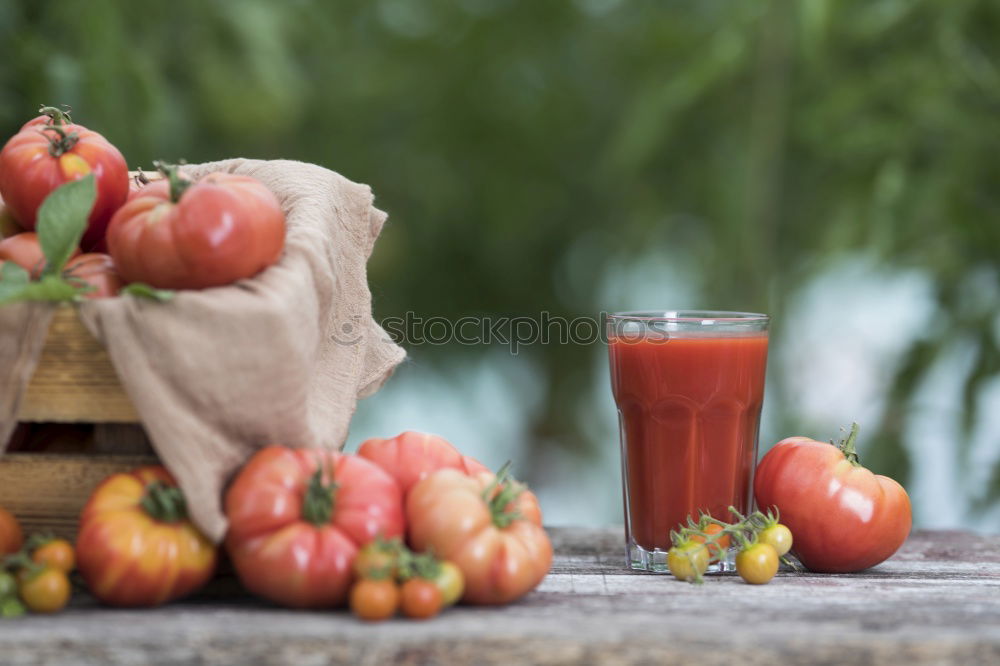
(164, 503)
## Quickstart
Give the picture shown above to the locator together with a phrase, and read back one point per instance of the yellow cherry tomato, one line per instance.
(451, 581)
(688, 561)
(778, 537)
(757, 564)
(45, 591)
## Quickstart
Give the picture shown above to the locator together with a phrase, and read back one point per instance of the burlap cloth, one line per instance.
(216, 374)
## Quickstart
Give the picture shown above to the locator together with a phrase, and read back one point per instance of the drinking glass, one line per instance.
(689, 385)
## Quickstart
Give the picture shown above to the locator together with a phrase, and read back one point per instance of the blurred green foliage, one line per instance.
(523, 145)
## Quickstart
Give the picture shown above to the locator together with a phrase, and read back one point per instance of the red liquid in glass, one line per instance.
(690, 412)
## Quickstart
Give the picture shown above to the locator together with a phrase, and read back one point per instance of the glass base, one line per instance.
(640, 559)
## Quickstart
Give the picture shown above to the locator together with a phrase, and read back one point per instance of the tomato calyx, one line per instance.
(418, 565)
(172, 172)
(62, 142)
(500, 494)
(57, 116)
(318, 503)
(164, 503)
(848, 446)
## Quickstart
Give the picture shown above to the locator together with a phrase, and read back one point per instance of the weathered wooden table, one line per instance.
(937, 601)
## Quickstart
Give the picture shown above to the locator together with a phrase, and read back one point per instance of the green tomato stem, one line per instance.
(319, 500)
(56, 116)
(63, 142)
(849, 446)
(178, 185)
(498, 501)
(164, 503)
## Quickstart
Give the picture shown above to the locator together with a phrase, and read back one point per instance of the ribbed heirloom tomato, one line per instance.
(136, 546)
(175, 234)
(297, 518)
(50, 151)
(489, 526)
(412, 456)
(843, 518)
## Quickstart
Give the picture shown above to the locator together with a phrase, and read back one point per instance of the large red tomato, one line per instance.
(490, 527)
(843, 518)
(412, 456)
(297, 518)
(136, 546)
(181, 235)
(43, 156)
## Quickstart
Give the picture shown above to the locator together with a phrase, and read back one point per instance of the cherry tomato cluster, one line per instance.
(762, 542)
(166, 234)
(34, 574)
(391, 578)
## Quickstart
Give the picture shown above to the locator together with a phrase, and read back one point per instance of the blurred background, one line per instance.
(834, 164)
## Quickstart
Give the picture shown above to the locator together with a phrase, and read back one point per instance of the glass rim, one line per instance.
(722, 316)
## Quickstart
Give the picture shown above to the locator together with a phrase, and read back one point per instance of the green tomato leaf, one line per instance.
(13, 279)
(12, 607)
(49, 288)
(143, 290)
(12, 274)
(62, 219)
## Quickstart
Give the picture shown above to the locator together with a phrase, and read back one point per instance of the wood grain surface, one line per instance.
(47, 491)
(936, 602)
(74, 380)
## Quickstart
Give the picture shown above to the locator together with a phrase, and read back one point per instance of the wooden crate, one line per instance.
(74, 383)
(47, 491)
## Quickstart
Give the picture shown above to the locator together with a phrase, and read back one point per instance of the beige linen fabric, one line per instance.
(280, 358)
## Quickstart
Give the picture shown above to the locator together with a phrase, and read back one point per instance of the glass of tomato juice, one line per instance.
(689, 385)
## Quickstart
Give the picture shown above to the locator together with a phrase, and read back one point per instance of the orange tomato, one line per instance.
(11, 536)
(490, 527)
(57, 553)
(421, 599)
(45, 591)
(374, 600)
(716, 549)
(136, 545)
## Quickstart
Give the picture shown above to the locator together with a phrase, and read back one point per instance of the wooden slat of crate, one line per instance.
(47, 491)
(75, 381)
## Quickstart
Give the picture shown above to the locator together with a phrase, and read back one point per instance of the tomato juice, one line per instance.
(689, 391)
